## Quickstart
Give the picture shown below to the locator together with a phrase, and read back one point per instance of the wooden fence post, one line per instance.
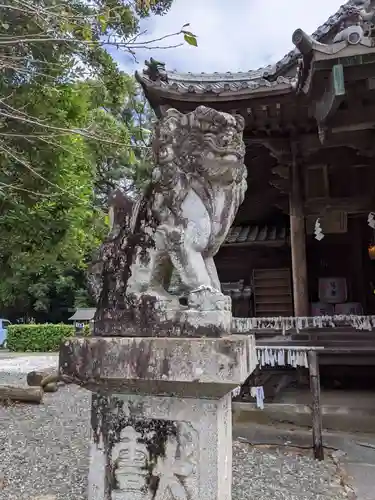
(315, 407)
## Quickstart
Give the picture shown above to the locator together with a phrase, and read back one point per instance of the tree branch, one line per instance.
(18, 188)
(37, 174)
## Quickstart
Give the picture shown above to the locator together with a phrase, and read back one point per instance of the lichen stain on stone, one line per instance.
(108, 418)
(137, 357)
(99, 406)
(163, 429)
(165, 364)
(132, 237)
(66, 356)
(226, 348)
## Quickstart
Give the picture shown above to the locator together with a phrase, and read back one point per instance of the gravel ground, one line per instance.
(44, 448)
(44, 451)
(266, 474)
(25, 364)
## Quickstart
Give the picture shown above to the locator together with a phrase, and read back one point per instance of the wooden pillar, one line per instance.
(315, 405)
(298, 239)
(357, 262)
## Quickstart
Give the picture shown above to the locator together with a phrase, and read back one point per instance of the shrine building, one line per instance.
(303, 242)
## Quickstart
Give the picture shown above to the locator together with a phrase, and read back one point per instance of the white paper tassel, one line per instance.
(281, 357)
(305, 360)
(318, 231)
(258, 393)
(287, 356)
(236, 392)
(285, 324)
(371, 220)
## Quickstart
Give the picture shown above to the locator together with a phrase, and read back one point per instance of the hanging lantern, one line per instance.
(371, 223)
(371, 252)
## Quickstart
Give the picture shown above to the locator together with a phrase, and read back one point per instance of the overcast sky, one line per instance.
(233, 35)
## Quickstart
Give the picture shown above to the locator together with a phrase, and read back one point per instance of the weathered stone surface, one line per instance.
(179, 366)
(150, 318)
(163, 365)
(198, 183)
(146, 447)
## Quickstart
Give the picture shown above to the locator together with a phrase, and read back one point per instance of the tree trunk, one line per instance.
(27, 394)
(51, 387)
(47, 379)
(35, 378)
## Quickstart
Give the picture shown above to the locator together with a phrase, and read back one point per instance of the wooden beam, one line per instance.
(267, 243)
(341, 158)
(282, 171)
(298, 239)
(320, 206)
(332, 97)
(350, 205)
(357, 116)
(281, 185)
(362, 141)
(279, 148)
(315, 406)
(354, 127)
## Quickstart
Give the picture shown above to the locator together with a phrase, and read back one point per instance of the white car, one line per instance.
(4, 323)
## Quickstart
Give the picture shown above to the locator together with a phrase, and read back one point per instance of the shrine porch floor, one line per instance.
(343, 410)
(350, 399)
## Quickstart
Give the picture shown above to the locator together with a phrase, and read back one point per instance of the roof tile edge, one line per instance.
(216, 83)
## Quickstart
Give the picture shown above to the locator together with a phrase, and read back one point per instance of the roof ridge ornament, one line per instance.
(219, 84)
(321, 32)
(155, 70)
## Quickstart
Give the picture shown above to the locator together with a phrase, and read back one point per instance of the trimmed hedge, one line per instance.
(37, 338)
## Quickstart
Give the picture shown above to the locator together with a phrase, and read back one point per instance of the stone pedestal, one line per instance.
(161, 416)
(163, 366)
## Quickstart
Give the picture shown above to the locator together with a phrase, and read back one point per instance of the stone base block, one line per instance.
(148, 317)
(159, 448)
(198, 367)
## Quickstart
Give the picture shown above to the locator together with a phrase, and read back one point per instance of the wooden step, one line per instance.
(275, 309)
(273, 299)
(271, 273)
(272, 292)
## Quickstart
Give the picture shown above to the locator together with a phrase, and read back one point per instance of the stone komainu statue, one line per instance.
(178, 225)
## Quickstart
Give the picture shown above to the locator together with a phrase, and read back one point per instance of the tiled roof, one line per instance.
(243, 82)
(319, 34)
(236, 289)
(256, 234)
(216, 83)
(83, 314)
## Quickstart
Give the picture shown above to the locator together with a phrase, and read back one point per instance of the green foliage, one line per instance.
(72, 127)
(52, 220)
(159, 7)
(64, 146)
(48, 222)
(37, 338)
(87, 330)
(190, 38)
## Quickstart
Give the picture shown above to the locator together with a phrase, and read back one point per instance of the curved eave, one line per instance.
(156, 92)
(339, 50)
(321, 34)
